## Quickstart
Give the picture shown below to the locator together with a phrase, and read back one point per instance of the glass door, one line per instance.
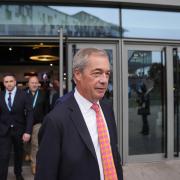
(176, 74)
(145, 113)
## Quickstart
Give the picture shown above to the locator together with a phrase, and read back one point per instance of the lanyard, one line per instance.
(35, 97)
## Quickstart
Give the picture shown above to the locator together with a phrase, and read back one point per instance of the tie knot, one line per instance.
(95, 107)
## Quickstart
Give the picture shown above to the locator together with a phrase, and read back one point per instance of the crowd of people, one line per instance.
(21, 115)
(75, 139)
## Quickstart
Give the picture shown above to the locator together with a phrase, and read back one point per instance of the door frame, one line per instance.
(149, 45)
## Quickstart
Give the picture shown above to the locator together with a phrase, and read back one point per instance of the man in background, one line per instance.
(16, 121)
(40, 109)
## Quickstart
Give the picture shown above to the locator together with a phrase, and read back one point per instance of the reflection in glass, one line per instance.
(47, 20)
(150, 24)
(109, 92)
(146, 122)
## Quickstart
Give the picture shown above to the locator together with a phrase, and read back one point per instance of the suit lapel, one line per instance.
(80, 125)
(15, 99)
(4, 101)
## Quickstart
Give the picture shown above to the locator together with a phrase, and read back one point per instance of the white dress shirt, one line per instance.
(90, 120)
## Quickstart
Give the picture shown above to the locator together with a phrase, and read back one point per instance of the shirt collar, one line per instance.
(30, 92)
(83, 102)
(12, 92)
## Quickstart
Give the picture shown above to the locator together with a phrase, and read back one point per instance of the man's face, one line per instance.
(9, 82)
(33, 84)
(92, 82)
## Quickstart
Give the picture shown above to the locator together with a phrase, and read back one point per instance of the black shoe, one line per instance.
(19, 177)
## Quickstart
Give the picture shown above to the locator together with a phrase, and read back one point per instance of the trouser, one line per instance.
(12, 139)
(145, 128)
(27, 148)
(34, 143)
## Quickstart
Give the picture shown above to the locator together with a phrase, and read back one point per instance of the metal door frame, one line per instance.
(170, 109)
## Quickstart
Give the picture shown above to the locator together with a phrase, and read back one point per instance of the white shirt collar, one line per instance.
(83, 102)
(12, 92)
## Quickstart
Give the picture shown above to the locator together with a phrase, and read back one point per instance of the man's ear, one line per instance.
(77, 75)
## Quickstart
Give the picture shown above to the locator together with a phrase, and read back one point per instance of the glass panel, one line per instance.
(176, 65)
(146, 117)
(26, 20)
(150, 24)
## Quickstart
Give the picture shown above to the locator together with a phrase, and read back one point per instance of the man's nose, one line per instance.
(103, 78)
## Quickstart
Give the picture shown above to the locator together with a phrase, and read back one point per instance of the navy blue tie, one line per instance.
(9, 101)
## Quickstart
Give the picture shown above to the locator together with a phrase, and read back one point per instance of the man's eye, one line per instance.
(108, 74)
(96, 73)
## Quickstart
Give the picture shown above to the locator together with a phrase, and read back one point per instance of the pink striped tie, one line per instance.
(105, 147)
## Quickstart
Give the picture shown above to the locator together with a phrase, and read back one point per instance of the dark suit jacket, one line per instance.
(21, 115)
(66, 150)
(54, 99)
(41, 106)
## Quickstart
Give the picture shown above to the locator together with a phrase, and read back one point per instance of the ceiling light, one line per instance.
(45, 54)
(45, 58)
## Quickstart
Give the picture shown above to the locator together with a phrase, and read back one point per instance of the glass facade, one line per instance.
(150, 24)
(29, 20)
(33, 20)
(147, 118)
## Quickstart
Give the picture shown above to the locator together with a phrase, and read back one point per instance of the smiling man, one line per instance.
(80, 132)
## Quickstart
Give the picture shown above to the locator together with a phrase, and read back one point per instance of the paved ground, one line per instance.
(26, 174)
(167, 170)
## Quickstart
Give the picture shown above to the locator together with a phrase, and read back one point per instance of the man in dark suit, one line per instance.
(40, 109)
(71, 146)
(16, 120)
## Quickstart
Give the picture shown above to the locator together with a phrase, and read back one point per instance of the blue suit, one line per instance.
(66, 150)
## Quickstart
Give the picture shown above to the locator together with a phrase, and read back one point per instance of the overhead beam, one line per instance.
(157, 4)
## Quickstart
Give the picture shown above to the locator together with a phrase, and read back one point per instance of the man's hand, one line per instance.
(26, 137)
